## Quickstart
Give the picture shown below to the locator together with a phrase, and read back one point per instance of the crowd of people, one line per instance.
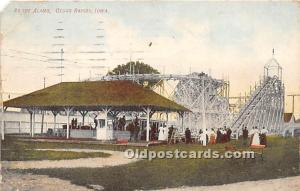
(137, 132)
(119, 124)
(78, 125)
(134, 129)
(255, 136)
(164, 133)
(222, 135)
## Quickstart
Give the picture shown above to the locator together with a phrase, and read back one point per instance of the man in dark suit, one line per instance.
(228, 133)
(187, 136)
(219, 136)
(245, 136)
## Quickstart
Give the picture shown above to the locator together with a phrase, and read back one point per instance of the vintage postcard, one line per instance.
(150, 95)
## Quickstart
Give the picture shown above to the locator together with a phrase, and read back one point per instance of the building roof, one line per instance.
(95, 95)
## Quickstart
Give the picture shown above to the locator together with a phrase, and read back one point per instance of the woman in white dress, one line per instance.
(161, 134)
(203, 140)
(255, 140)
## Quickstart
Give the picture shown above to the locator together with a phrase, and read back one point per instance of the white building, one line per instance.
(291, 126)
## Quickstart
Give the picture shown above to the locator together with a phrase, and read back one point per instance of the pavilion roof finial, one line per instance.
(273, 52)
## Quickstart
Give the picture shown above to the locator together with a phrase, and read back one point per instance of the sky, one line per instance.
(228, 40)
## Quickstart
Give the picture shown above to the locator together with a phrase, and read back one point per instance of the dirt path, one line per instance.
(16, 181)
(282, 184)
(21, 182)
(116, 158)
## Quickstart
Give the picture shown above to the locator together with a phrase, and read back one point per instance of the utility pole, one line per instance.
(44, 82)
(293, 98)
(59, 37)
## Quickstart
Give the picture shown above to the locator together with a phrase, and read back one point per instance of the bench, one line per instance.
(257, 149)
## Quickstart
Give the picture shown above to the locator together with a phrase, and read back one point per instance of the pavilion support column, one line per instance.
(105, 112)
(54, 127)
(68, 111)
(30, 123)
(167, 124)
(114, 114)
(2, 123)
(167, 118)
(181, 114)
(42, 122)
(83, 114)
(148, 110)
(54, 120)
(151, 114)
(33, 122)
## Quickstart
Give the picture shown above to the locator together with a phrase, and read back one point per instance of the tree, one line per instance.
(136, 68)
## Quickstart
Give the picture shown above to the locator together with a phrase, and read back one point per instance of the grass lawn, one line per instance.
(14, 150)
(9, 155)
(281, 159)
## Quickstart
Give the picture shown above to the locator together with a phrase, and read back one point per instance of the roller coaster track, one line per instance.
(264, 108)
